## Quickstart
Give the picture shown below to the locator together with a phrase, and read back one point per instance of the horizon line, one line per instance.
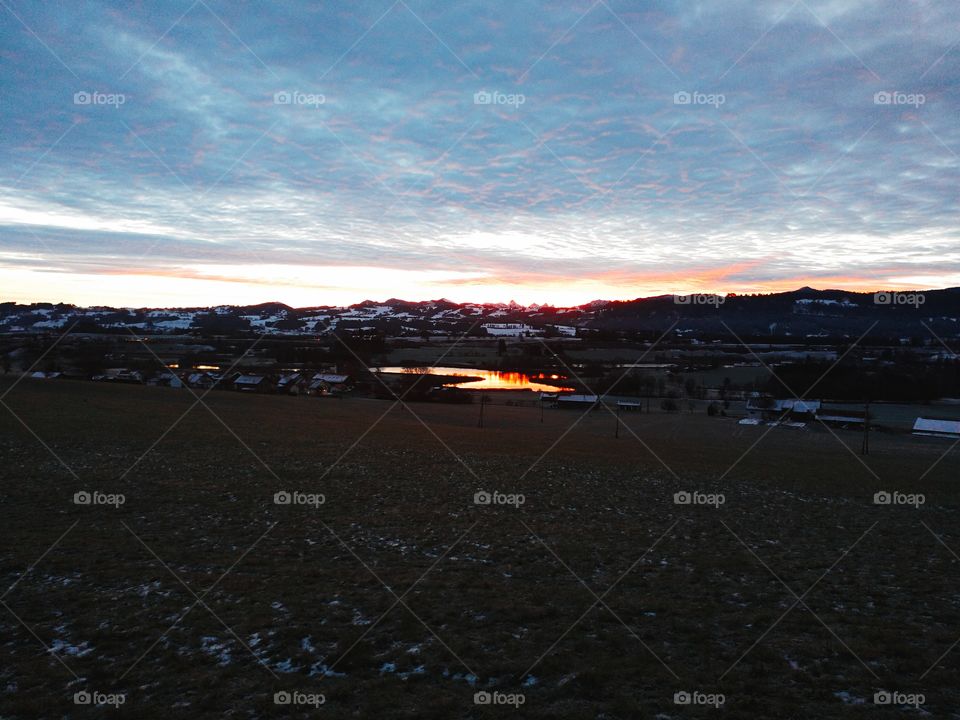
(486, 302)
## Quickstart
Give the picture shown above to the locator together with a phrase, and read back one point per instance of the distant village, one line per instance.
(755, 407)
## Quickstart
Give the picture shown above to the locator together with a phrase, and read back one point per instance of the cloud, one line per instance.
(781, 167)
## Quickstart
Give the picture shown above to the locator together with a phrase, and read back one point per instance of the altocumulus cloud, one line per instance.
(547, 151)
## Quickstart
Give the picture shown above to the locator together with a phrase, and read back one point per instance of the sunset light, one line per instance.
(540, 359)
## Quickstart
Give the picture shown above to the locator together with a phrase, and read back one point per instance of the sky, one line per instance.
(202, 152)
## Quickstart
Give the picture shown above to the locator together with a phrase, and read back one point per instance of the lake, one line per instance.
(488, 379)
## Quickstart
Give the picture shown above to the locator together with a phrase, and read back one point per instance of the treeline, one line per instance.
(909, 382)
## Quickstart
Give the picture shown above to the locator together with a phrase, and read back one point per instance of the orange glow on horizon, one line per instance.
(335, 285)
(489, 379)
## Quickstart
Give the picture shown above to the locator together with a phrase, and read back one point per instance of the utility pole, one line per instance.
(616, 432)
(483, 400)
(541, 407)
(865, 447)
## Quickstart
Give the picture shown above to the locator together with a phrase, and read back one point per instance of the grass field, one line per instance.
(598, 597)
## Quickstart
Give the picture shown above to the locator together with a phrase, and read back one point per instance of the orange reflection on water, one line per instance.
(488, 379)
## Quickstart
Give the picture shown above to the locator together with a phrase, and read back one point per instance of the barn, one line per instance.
(936, 427)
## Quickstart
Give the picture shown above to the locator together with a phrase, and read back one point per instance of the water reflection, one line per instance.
(481, 379)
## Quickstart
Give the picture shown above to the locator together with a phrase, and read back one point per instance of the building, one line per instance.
(165, 379)
(511, 329)
(936, 427)
(791, 409)
(202, 380)
(577, 401)
(122, 375)
(292, 383)
(252, 383)
(842, 416)
(328, 383)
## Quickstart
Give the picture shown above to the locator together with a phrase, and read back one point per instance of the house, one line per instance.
(511, 329)
(166, 379)
(327, 383)
(202, 380)
(252, 383)
(124, 375)
(292, 383)
(937, 427)
(800, 411)
(792, 409)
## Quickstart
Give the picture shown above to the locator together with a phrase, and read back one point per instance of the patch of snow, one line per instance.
(849, 699)
(286, 666)
(81, 650)
(210, 646)
(320, 668)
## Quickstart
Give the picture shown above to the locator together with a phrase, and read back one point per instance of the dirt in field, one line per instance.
(582, 586)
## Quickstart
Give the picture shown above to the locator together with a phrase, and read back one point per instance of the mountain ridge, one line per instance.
(804, 312)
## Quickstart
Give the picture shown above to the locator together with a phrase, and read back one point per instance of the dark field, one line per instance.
(599, 597)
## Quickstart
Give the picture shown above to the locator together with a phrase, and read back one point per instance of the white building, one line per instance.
(937, 428)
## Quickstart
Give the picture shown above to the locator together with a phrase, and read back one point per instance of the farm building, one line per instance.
(577, 401)
(934, 427)
(326, 383)
(842, 416)
(202, 380)
(292, 383)
(252, 383)
(768, 408)
(122, 375)
(166, 379)
(510, 329)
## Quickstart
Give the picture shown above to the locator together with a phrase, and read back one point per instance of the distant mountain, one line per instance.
(805, 314)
